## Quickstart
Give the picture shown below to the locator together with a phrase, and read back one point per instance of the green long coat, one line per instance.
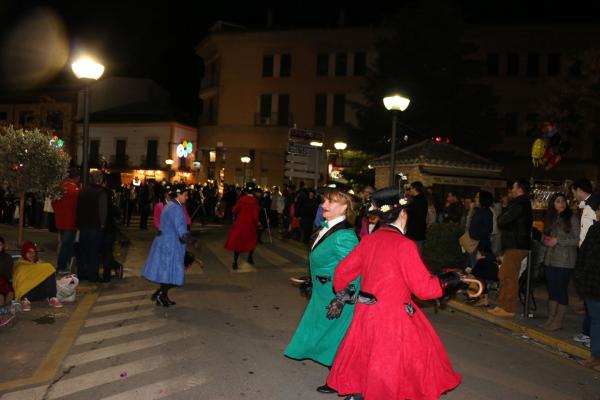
(318, 338)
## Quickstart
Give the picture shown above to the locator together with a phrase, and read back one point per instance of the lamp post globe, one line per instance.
(340, 145)
(394, 103)
(86, 69)
(245, 160)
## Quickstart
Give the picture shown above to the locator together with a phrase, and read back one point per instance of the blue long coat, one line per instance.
(165, 259)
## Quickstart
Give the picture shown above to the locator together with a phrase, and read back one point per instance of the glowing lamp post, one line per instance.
(394, 104)
(317, 145)
(87, 70)
(245, 160)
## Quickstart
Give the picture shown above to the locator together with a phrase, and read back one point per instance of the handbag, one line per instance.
(467, 243)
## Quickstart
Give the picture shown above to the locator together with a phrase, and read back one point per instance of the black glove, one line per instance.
(184, 239)
(451, 282)
(306, 288)
(346, 295)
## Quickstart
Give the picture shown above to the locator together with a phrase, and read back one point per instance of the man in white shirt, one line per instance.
(582, 190)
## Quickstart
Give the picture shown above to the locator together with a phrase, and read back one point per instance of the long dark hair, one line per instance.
(553, 215)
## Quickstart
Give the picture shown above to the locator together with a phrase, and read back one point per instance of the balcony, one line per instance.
(119, 161)
(274, 119)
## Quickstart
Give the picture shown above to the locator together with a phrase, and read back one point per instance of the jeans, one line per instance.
(88, 262)
(65, 253)
(558, 284)
(593, 307)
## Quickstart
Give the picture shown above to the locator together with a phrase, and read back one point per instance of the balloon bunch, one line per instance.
(548, 150)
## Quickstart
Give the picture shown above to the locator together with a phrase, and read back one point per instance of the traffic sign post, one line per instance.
(302, 160)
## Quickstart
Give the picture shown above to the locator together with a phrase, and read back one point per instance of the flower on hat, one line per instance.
(403, 201)
(385, 208)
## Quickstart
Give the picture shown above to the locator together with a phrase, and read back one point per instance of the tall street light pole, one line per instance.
(317, 146)
(394, 104)
(87, 70)
(245, 160)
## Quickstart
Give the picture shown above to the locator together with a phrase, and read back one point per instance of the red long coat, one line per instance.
(389, 354)
(242, 235)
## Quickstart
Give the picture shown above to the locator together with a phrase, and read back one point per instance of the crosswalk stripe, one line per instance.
(223, 255)
(161, 389)
(121, 331)
(65, 387)
(121, 296)
(303, 253)
(117, 317)
(271, 256)
(128, 347)
(119, 306)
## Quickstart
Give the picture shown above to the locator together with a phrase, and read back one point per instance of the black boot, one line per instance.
(250, 260)
(161, 300)
(155, 295)
(325, 389)
(234, 266)
(169, 301)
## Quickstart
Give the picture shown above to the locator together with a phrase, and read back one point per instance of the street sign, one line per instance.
(298, 167)
(301, 175)
(305, 135)
(296, 159)
(299, 149)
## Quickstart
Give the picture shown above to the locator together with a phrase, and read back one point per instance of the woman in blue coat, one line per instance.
(165, 264)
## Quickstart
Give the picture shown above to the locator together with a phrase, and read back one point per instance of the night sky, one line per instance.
(157, 40)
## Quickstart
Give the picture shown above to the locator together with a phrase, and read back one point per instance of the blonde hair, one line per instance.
(335, 196)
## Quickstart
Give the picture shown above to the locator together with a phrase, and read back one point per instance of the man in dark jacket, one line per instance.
(416, 227)
(515, 229)
(587, 281)
(92, 213)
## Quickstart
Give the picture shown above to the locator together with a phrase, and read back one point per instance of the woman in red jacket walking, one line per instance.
(242, 235)
(391, 351)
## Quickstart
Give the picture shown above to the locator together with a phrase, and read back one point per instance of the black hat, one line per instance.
(385, 200)
(179, 188)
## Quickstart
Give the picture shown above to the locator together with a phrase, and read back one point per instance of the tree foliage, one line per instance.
(427, 61)
(28, 163)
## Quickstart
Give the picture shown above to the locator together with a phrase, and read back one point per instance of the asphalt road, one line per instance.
(225, 338)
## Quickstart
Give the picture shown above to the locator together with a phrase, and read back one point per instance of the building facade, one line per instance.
(258, 84)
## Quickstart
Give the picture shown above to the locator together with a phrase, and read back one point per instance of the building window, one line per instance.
(267, 67)
(553, 64)
(341, 64)
(339, 109)
(211, 111)
(321, 109)
(283, 110)
(152, 153)
(322, 64)
(510, 124)
(26, 119)
(493, 63)
(54, 120)
(360, 63)
(575, 68)
(94, 155)
(285, 66)
(533, 64)
(121, 155)
(512, 64)
(3, 116)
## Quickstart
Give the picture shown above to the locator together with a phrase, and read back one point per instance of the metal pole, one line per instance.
(86, 134)
(316, 167)
(393, 150)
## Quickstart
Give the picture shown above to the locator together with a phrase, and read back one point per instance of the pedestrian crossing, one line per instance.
(116, 362)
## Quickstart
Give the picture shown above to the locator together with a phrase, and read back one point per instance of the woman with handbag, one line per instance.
(316, 337)
(561, 238)
(165, 262)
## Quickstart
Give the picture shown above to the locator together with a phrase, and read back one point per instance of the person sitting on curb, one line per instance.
(34, 279)
(6, 271)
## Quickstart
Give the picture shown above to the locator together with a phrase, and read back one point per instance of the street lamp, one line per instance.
(245, 160)
(394, 104)
(87, 70)
(340, 145)
(317, 145)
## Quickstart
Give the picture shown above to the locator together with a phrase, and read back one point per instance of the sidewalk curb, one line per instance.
(548, 340)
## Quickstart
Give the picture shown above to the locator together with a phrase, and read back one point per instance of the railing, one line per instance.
(120, 161)
(274, 119)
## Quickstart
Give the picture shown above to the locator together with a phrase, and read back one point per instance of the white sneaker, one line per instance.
(581, 338)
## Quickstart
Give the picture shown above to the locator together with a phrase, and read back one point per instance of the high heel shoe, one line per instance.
(161, 300)
(155, 295)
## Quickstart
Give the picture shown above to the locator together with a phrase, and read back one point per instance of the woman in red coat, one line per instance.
(242, 235)
(391, 351)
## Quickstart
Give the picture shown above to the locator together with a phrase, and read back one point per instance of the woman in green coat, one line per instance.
(317, 337)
